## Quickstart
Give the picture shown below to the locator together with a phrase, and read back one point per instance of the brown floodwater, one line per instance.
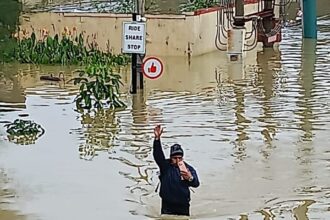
(257, 134)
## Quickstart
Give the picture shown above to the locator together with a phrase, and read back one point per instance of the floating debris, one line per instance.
(24, 132)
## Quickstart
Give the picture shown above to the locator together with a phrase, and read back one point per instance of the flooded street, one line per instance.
(258, 137)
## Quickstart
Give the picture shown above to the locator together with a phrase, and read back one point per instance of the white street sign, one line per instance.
(134, 37)
(152, 67)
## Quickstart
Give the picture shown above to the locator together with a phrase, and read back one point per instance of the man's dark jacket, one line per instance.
(173, 189)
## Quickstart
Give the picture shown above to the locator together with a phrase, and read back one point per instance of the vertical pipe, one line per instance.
(134, 73)
(134, 66)
(141, 79)
(268, 4)
(309, 19)
(140, 11)
(137, 75)
(239, 13)
(268, 21)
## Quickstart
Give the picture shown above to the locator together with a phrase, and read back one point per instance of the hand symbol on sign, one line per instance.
(152, 69)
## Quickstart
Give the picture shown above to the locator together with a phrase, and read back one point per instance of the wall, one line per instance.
(167, 35)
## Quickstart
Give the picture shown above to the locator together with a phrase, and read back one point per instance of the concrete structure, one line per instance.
(189, 34)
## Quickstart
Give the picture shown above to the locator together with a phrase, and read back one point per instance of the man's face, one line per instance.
(176, 158)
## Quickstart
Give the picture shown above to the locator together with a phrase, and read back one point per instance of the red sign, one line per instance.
(272, 39)
(152, 67)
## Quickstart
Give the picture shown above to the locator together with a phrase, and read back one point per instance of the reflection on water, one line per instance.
(101, 130)
(257, 134)
(300, 212)
(7, 198)
(12, 98)
(304, 110)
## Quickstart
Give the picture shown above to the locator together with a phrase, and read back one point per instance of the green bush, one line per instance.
(198, 4)
(99, 87)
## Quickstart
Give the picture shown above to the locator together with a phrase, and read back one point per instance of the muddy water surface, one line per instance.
(258, 137)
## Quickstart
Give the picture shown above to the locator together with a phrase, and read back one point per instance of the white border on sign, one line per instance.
(123, 36)
(161, 67)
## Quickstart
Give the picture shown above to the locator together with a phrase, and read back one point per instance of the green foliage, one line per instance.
(99, 87)
(96, 56)
(125, 6)
(51, 50)
(24, 131)
(198, 4)
(9, 14)
(151, 6)
(7, 48)
(68, 50)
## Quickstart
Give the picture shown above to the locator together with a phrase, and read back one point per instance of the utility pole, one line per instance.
(137, 59)
(268, 21)
(309, 19)
(141, 7)
(239, 13)
(134, 65)
(236, 35)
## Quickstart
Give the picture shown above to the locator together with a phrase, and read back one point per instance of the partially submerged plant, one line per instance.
(24, 131)
(99, 85)
(99, 88)
(66, 50)
(51, 50)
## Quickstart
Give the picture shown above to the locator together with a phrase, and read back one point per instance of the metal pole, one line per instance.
(239, 13)
(137, 59)
(268, 22)
(140, 11)
(134, 65)
(141, 79)
(236, 35)
(137, 9)
(309, 19)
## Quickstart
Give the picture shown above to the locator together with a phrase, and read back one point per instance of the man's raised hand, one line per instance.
(158, 130)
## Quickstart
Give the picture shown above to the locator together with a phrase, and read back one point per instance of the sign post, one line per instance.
(133, 41)
(134, 37)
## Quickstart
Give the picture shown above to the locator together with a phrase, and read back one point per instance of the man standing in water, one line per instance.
(174, 182)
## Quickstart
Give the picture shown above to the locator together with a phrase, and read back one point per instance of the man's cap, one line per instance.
(176, 150)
